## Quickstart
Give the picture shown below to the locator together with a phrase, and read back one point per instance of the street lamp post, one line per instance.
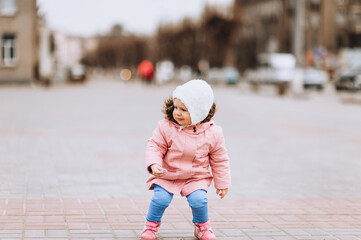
(298, 31)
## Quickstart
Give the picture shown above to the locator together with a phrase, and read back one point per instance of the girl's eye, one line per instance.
(182, 109)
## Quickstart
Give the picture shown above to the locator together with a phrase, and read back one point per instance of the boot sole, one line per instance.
(196, 236)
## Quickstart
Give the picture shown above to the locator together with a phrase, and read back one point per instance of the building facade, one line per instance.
(269, 26)
(19, 41)
(265, 27)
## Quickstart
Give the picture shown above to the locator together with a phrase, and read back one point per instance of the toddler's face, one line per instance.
(181, 114)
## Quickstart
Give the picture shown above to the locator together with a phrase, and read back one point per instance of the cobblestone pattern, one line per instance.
(231, 219)
(72, 164)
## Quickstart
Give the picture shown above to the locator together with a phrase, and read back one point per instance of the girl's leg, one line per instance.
(160, 201)
(198, 202)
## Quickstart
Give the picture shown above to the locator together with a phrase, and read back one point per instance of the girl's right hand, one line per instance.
(157, 170)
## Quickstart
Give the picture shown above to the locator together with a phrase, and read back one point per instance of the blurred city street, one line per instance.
(80, 96)
(72, 163)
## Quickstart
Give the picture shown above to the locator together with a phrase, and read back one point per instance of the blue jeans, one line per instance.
(197, 200)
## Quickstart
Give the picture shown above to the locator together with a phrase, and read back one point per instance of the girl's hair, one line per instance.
(168, 108)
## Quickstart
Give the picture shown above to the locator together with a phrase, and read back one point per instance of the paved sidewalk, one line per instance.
(231, 219)
(72, 164)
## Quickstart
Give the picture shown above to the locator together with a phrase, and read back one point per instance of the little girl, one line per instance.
(178, 155)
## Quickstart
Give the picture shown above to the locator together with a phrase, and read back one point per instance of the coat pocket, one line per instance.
(202, 155)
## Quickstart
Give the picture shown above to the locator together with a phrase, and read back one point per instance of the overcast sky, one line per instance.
(89, 17)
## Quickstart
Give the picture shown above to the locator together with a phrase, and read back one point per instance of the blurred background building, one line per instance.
(269, 26)
(316, 32)
(19, 40)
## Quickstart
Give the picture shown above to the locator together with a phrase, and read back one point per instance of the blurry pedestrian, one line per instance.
(178, 155)
(146, 71)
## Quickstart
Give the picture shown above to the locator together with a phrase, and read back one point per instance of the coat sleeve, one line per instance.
(156, 147)
(219, 161)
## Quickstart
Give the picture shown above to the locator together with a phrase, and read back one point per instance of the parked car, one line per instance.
(350, 80)
(227, 75)
(315, 78)
(164, 71)
(77, 73)
(277, 68)
(280, 68)
(185, 73)
(214, 75)
(231, 75)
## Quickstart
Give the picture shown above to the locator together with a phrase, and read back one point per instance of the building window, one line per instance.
(8, 50)
(8, 7)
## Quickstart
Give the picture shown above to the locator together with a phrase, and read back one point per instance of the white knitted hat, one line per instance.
(198, 98)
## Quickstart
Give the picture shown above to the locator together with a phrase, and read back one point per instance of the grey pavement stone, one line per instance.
(11, 234)
(57, 233)
(89, 141)
(282, 237)
(348, 237)
(296, 232)
(34, 233)
(316, 232)
(232, 232)
(124, 233)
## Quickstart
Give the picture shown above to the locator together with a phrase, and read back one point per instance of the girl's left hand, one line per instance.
(222, 192)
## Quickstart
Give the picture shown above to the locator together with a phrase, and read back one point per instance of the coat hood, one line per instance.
(197, 96)
(196, 129)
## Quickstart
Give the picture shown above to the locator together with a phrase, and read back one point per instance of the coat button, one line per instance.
(194, 129)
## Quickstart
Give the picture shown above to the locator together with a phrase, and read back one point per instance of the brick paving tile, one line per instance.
(283, 238)
(12, 226)
(124, 233)
(98, 226)
(348, 238)
(78, 226)
(261, 219)
(76, 171)
(34, 233)
(56, 233)
(232, 232)
(262, 238)
(44, 226)
(11, 234)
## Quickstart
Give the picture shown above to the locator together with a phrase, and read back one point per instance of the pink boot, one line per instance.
(150, 231)
(203, 231)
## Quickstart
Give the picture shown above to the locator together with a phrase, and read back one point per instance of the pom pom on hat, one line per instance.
(197, 96)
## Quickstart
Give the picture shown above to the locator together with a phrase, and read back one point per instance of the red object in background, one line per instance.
(145, 70)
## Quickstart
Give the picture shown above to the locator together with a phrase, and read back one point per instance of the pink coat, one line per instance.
(187, 154)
